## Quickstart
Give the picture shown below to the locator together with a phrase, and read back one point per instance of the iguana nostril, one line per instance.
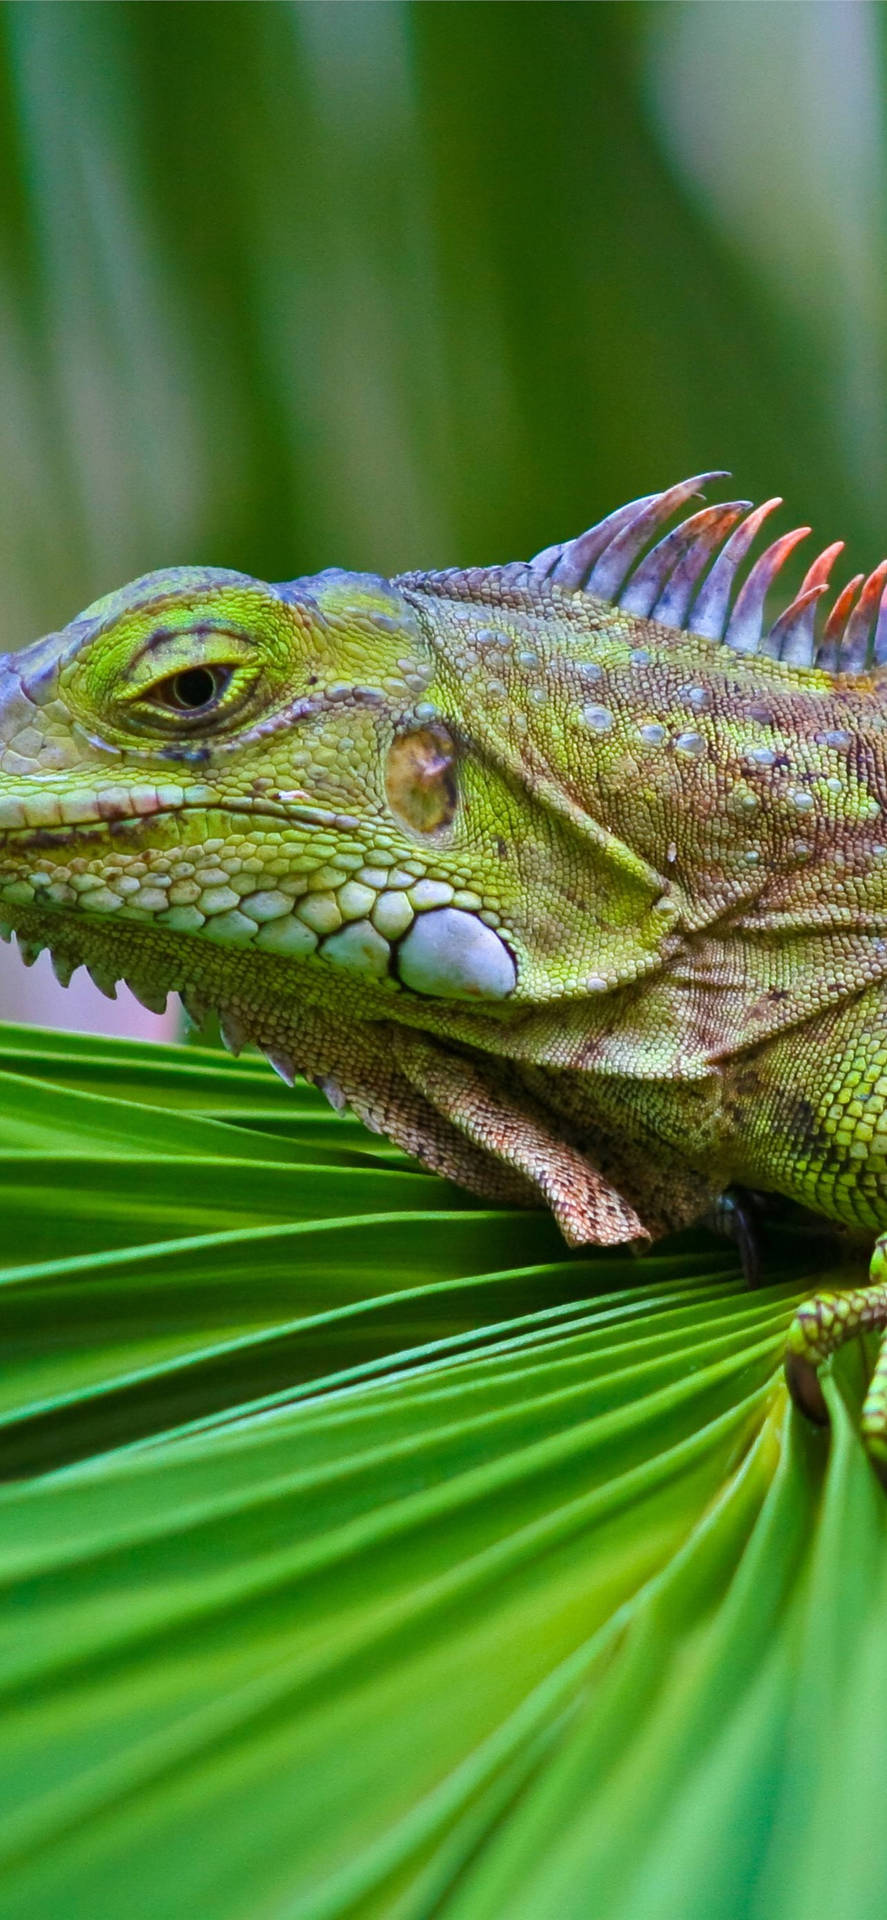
(453, 955)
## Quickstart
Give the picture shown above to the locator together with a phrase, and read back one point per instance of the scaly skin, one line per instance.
(569, 903)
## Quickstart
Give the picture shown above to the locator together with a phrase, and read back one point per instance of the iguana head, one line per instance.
(315, 774)
(447, 800)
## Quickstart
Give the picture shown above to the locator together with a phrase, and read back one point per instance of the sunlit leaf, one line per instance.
(366, 1553)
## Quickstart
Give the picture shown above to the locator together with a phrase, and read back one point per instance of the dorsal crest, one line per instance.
(693, 576)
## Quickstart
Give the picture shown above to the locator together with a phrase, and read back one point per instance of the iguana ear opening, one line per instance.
(420, 779)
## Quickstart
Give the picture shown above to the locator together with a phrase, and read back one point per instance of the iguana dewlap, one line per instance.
(568, 876)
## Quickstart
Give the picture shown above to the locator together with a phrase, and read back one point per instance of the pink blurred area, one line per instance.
(33, 995)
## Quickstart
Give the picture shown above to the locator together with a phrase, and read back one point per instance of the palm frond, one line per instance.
(365, 1553)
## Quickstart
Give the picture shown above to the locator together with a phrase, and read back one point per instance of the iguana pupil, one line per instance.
(193, 689)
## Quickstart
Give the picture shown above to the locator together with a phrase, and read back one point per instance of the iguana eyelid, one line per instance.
(148, 704)
(225, 640)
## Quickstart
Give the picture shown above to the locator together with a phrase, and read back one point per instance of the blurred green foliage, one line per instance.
(387, 285)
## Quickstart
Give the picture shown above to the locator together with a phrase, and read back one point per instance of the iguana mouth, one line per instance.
(386, 925)
(106, 815)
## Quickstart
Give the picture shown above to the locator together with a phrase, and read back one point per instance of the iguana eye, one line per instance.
(193, 690)
(195, 698)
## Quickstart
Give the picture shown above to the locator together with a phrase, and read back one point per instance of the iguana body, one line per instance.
(565, 876)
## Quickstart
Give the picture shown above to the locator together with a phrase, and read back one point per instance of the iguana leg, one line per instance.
(444, 1110)
(873, 1424)
(822, 1325)
(474, 1099)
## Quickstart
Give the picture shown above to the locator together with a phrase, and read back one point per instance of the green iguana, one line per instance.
(569, 876)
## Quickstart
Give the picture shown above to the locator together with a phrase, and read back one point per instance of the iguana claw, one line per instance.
(733, 1216)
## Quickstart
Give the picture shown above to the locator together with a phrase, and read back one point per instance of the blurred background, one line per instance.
(391, 285)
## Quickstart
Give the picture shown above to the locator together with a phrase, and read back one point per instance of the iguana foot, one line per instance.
(822, 1325)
